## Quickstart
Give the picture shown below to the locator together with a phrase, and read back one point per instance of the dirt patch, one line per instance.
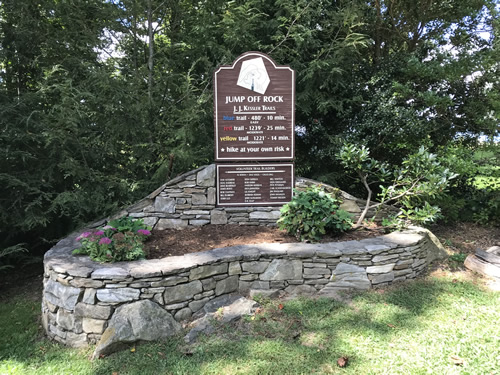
(466, 237)
(172, 242)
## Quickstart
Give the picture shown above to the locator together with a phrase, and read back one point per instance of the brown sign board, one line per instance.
(266, 184)
(254, 112)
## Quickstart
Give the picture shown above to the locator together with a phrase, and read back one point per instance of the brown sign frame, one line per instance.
(268, 140)
(267, 182)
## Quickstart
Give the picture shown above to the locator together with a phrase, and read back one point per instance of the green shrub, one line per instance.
(313, 212)
(459, 258)
(10, 253)
(120, 240)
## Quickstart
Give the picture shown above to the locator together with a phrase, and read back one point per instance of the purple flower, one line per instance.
(98, 233)
(83, 235)
(105, 241)
(144, 232)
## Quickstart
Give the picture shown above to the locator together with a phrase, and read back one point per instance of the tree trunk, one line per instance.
(151, 50)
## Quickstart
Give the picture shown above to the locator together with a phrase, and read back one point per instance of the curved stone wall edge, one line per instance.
(80, 295)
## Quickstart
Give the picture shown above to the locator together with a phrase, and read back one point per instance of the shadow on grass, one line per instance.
(305, 337)
(323, 331)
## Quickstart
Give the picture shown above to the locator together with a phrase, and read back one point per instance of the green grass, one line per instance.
(410, 329)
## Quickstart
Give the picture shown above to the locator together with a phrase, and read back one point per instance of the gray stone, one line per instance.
(277, 284)
(86, 283)
(381, 278)
(281, 269)
(76, 340)
(254, 267)
(208, 284)
(198, 199)
(199, 223)
(176, 306)
(118, 295)
(93, 311)
(93, 325)
(249, 277)
(206, 271)
(227, 285)
(383, 258)
(52, 308)
(158, 298)
(112, 273)
(166, 205)
(317, 271)
(150, 221)
(380, 269)
(314, 265)
(62, 296)
(399, 273)
(301, 290)
(89, 296)
(138, 321)
(260, 215)
(328, 252)
(80, 271)
(183, 314)
(206, 177)
(234, 268)
(260, 285)
(197, 305)
(171, 224)
(182, 292)
(211, 196)
(143, 269)
(65, 319)
(350, 206)
(345, 268)
(229, 306)
(169, 281)
(196, 212)
(218, 217)
(376, 249)
(418, 263)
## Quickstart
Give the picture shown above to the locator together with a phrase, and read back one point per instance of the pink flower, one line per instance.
(108, 227)
(144, 232)
(83, 235)
(105, 241)
(98, 233)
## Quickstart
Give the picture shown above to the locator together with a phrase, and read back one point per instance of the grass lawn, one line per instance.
(413, 328)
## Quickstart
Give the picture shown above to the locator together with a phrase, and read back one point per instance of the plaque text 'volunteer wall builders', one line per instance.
(254, 110)
(254, 184)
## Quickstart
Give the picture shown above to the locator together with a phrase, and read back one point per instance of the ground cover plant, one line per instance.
(120, 240)
(445, 323)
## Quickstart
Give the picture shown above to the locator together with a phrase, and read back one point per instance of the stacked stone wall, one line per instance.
(190, 200)
(80, 296)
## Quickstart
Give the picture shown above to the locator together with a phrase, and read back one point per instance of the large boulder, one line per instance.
(226, 309)
(138, 321)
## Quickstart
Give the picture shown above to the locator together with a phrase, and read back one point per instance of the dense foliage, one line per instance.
(409, 186)
(101, 101)
(313, 213)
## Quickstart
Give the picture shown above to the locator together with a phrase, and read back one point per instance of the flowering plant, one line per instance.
(121, 239)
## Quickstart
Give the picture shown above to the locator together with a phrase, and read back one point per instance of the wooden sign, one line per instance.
(254, 112)
(264, 184)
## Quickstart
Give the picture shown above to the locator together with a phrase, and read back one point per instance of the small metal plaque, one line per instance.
(263, 184)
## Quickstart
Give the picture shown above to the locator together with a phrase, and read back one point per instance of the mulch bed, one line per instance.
(173, 242)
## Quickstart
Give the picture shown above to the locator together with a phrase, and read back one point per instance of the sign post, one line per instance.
(254, 118)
